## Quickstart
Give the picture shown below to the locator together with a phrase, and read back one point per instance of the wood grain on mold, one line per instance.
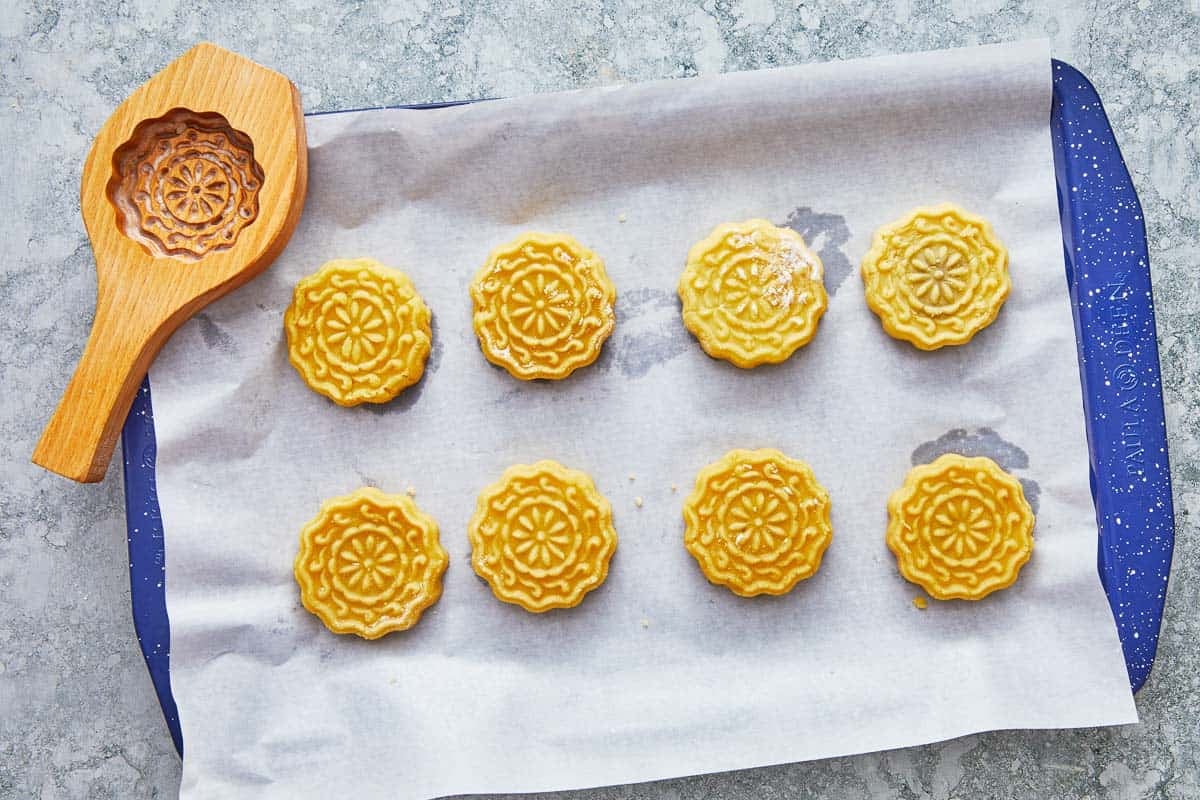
(156, 272)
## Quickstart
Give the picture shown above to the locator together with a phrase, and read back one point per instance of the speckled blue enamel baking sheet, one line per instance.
(1108, 277)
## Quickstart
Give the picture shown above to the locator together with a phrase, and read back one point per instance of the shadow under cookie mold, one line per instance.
(185, 184)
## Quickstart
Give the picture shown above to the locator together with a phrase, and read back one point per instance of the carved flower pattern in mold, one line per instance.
(960, 527)
(543, 306)
(370, 563)
(358, 332)
(937, 277)
(185, 184)
(752, 293)
(757, 522)
(542, 536)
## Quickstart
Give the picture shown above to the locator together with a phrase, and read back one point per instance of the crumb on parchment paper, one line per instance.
(645, 622)
(637, 501)
(920, 602)
(411, 491)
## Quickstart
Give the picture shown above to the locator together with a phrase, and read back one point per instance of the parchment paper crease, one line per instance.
(657, 673)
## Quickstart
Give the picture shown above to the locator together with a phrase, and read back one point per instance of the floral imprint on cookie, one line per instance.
(960, 527)
(358, 332)
(752, 293)
(185, 184)
(936, 277)
(757, 522)
(543, 306)
(370, 563)
(542, 536)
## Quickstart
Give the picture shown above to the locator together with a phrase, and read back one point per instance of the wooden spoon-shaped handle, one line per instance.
(78, 442)
(191, 188)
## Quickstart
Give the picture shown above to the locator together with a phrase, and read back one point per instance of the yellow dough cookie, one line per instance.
(960, 527)
(757, 522)
(936, 277)
(752, 293)
(543, 306)
(542, 536)
(370, 563)
(357, 331)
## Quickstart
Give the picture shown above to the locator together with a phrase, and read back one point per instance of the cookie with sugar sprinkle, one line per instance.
(752, 293)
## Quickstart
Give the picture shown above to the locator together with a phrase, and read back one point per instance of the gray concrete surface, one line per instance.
(77, 713)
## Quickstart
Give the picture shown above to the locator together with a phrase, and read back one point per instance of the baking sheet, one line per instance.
(657, 673)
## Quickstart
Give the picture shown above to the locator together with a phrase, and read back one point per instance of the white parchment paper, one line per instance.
(657, 673)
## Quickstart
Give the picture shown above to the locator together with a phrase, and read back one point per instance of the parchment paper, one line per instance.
(657, 673)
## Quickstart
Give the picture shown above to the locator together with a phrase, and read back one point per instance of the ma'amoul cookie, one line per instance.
(960, 528)
(358, 331)
(752, 293)
(543, 306)
(542, 536)
(370, 563)
(757, 522)
(936, 277)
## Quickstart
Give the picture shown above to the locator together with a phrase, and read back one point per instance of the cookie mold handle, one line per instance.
(192, 187)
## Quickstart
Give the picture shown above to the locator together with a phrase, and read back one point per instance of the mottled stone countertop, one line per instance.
(78, 716)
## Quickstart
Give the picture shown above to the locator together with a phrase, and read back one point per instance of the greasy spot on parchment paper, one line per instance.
(983, 442)
(648, 332)
(825, 234)
(367, 480)
(214, 336)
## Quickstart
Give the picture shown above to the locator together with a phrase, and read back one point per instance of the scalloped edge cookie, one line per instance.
(485, 563)
(897, 525)
(810, 300)
(580, 347)
(375, 387)
(724, 468)
(384, 624)
(889, 316)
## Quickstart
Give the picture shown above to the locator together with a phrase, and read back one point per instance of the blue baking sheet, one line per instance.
(1108, 277)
